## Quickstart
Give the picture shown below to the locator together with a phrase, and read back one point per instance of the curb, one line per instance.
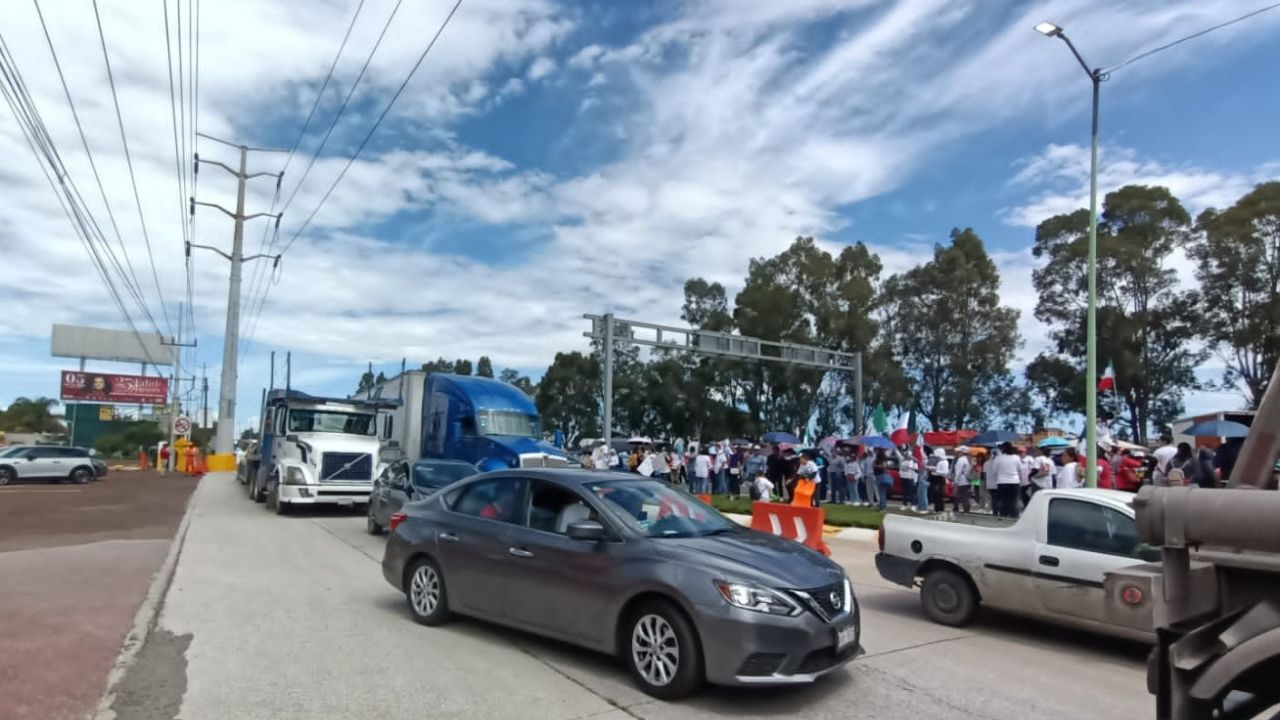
(146, 617)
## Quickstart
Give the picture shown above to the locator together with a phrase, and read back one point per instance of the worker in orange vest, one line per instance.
(191, 459)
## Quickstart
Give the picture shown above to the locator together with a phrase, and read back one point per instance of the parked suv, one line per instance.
(46, 461)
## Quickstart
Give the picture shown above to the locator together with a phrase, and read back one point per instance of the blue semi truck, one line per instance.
(486, 422)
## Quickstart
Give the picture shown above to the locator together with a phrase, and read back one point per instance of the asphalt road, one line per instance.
(75, 564)
(289, 617)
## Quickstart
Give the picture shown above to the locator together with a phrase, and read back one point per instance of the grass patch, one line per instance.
(838, 515)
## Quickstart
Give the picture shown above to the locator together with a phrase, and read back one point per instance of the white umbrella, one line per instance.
(639, 440)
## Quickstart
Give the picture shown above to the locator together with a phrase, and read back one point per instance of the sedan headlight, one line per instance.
(756, 598)
(294, 476)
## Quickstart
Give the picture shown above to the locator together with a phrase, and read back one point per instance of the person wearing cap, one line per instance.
(808, 470)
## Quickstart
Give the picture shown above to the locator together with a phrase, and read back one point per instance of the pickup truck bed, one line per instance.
(1050, 563)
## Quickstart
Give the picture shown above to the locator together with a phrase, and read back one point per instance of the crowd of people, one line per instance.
(1000, 480)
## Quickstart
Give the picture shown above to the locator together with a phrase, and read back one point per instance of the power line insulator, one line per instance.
(193, 206)
(279, 179)
(278, 216)
(197, 168)
(188, 251)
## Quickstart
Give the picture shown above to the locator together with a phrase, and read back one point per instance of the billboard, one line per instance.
(78, 341)
(107, 387)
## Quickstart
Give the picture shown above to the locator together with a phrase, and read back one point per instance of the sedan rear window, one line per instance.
(657, 510)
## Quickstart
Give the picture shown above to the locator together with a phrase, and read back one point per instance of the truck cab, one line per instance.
(314, 450)
(483, 421)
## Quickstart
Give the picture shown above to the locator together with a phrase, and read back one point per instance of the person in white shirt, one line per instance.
(1027, 464)
(1006, 471)
(600, 457)
(960, 480)
(908, 472)
(1164, 457)
(614, 460)
(1041, 470)
(762, 488)
(938, 480)
(989, 481)
(1068, 475)
(702, 472)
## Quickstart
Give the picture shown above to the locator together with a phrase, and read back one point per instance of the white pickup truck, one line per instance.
(1050, 563)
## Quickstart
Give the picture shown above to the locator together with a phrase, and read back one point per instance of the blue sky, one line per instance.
(555, 158)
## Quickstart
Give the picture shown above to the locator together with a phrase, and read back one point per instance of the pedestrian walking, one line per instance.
(1163, 455)
(661, 468)
(870, 484)
(960, 484)
(702, 463)
(853, 470)
(1068, 475)
(1041, 471)
(164, 458)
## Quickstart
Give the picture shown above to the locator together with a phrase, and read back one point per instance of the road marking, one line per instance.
(29, 489)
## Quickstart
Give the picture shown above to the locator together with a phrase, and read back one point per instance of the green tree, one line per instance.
(1056, 386)
(1146, 325)
(512, 376)
(125, 438)
(1237, 256)
(953, 339)
(462, 367)
(484, 367)
(28, 415)
(569, 398)
(440, 365)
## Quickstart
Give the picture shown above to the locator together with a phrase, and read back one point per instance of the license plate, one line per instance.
(845, 636)
(346, 502)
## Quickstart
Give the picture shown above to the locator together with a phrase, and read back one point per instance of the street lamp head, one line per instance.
(1048, 29)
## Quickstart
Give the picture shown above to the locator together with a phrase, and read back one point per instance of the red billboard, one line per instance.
(103, 387)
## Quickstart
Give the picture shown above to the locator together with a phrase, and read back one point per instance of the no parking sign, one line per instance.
(182, 426)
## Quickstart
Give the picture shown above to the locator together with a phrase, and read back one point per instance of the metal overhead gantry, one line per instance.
(721, 344)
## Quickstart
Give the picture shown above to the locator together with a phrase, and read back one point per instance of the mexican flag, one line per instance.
(1108, 381)
(879, 421)
(906, 428)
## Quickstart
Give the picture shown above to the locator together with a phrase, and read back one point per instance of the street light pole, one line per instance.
(1096, 76)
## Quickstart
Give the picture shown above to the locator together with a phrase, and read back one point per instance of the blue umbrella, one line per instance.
(1054, 442)
(1217, 428)
(875, 441)
(994, 437)
(781, 437)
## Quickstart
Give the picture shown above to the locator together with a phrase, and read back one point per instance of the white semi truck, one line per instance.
(314, 451)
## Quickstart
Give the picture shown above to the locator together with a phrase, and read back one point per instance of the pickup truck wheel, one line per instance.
(948, 598)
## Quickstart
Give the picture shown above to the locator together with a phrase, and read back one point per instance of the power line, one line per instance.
(155, 276)
(39, 141)
(176, 108)
(135, 288)
(258, 279)
(1192, 36)
(375, 127)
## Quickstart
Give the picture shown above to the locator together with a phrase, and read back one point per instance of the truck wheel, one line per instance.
(256, 493)
(372, 525)
(948, 598)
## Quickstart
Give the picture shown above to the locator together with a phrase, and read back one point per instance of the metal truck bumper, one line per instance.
(750, 648)
(899, 570)
(343, 495)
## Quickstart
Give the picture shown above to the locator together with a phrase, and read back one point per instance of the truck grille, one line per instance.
(345, 467)
(539, 461)
(819, 600)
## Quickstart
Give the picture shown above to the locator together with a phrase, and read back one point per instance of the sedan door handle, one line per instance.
(447, 537)
(1049, 560)
(519, 552)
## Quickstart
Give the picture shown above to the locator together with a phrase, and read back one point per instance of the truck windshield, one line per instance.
(506, 422)
(331, 421)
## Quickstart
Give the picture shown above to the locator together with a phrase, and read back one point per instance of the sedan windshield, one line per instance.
(657, 510)
(331, 422)
(435, 475)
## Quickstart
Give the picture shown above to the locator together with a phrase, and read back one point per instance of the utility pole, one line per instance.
(175, 406)
(204, 394)
(225, 440)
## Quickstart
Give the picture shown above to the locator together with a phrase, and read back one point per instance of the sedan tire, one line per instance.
(424, 590)
(948, 598)
(372, 525)
(81, 475)
(661, 651)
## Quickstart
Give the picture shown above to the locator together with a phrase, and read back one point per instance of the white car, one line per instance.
(1050, 563)
(46, 462)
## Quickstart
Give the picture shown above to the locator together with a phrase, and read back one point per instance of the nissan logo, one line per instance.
(837, 600)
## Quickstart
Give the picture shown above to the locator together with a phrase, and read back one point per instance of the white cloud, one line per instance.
(1059, 181)
(540, 68)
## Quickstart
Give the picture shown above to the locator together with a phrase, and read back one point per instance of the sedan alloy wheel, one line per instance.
(655, 650)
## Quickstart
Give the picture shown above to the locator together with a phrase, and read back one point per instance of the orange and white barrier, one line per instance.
(802, 524)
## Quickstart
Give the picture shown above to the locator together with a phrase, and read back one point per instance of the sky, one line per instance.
(552, 158)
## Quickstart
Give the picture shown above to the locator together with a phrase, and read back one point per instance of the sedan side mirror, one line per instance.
(586, 530)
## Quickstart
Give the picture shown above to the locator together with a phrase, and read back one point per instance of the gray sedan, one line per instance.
(627, 566)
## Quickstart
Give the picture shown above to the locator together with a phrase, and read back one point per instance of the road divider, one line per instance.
(802, 524)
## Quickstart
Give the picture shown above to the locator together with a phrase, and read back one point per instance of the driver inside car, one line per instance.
(502, 507)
